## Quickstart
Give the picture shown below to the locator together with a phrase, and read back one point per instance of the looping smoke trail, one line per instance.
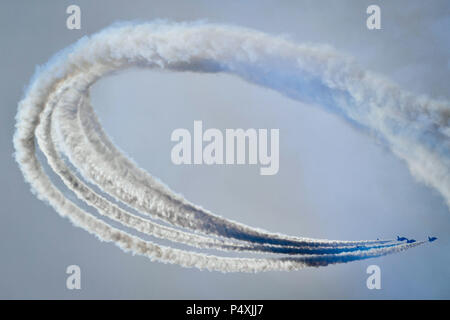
(56, 113)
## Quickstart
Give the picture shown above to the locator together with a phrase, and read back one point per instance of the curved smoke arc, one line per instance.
(56, 115)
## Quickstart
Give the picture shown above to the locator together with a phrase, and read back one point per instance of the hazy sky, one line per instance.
(334, 181)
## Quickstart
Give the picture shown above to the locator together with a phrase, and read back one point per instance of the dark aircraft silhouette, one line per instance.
(410, 241)
(402, 238)
(431, 239)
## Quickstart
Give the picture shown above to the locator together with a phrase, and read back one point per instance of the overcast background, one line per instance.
(334, 181)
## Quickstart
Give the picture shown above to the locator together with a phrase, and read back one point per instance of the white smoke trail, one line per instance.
(56, 111)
